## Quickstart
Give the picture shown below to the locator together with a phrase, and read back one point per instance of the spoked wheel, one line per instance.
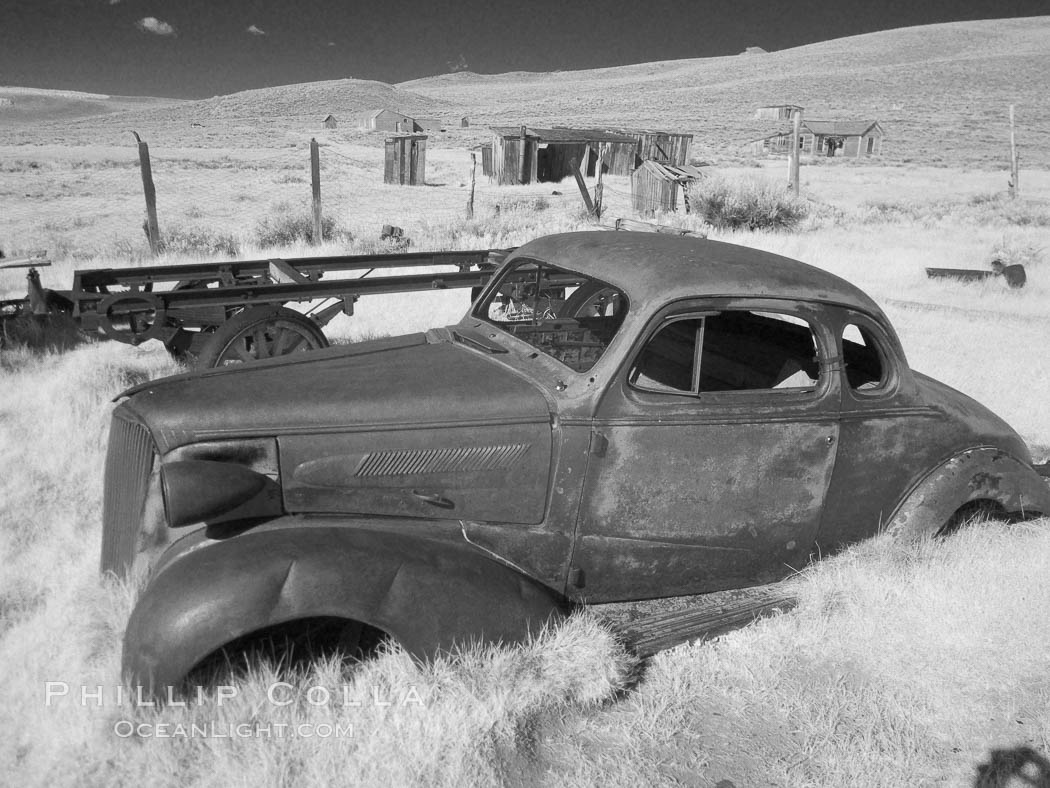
(260, 332)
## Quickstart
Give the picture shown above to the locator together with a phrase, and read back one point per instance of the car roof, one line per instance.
(656, 268)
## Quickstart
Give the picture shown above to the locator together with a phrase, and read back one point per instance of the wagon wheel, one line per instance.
(260, 332)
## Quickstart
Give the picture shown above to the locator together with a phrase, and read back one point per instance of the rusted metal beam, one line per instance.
(1013, 274)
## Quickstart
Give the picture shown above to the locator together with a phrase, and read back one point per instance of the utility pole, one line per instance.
(1014, 186)
(796, 133)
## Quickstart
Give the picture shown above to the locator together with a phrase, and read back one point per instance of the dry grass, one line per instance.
(901, 666)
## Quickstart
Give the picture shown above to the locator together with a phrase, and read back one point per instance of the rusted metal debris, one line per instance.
(1014, 275)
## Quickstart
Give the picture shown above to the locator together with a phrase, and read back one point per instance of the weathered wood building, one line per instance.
(405, 162)
(777, 111)
(387, 120)
(330, 122)
(654, 186)
(855, 139)
(429, 125)
(525, 154)
(665, 147)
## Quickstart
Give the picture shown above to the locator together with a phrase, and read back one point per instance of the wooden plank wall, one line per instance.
(405, 161)
(650, 193)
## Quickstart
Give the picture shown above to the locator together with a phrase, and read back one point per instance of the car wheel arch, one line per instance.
(426, 599)
(980, 474)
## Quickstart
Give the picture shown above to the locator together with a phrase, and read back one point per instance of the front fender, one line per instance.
(978, 474)
(427, 593)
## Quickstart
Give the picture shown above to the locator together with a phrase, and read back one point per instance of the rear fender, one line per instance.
(979, 474)
(426, 593)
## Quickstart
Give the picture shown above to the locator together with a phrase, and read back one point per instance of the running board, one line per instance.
(648, 636)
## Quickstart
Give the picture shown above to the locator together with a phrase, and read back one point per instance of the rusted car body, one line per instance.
(618, 416)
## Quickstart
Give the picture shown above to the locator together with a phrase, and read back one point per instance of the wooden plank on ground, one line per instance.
(651, 635)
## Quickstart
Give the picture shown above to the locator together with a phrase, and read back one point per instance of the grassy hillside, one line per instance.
(256, 117)
(941, 91)
(25, 108)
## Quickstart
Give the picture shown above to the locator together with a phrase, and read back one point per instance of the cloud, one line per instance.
(150, 24)
(459, 64)
(256, 31)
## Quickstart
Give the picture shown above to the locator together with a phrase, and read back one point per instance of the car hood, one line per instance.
(383, 384)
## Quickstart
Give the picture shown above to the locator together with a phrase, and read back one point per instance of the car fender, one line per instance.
(977, 474)
(427, 593)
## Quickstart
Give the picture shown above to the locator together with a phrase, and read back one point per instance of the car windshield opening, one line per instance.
(570, 317)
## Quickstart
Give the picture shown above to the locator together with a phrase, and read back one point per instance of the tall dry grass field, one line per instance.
(902, 665)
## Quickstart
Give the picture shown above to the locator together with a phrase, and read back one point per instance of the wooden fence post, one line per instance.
(582, 184)
(793, 158)
(599, 190)
(152, 228)
(470, 200)
(315, 182)
(1014, 185)
(521, 156)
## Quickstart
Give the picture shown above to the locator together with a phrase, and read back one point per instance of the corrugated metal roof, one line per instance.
(671, 172)
(562, 134)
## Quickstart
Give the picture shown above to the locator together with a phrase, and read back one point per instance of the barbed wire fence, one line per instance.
(226, 201)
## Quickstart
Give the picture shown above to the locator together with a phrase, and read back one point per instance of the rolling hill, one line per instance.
(941, 92)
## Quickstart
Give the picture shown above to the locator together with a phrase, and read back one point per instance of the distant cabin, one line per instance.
(387, 120)
(464, 122)
(855, 139)
(428, 125)
(330, 122)
(777, 111)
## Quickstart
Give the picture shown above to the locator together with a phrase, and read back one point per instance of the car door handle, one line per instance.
(434, 499)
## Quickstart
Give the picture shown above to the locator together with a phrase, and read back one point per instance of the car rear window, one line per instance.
(569, 316)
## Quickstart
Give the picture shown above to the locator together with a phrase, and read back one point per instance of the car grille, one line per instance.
(129, 461)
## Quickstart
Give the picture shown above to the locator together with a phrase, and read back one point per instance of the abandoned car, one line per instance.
(619, 416)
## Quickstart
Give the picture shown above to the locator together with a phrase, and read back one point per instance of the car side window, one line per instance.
(866, 369)
(728, 351)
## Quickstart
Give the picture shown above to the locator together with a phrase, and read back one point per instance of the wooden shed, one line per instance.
(665, 147)
(405, 163)
(525, 154)
(464, 122)
(777, 111)
(654, 186)
(387, 120)
(330, 122)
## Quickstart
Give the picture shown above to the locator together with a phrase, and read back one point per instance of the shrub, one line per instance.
(195, 240)
(285, 229)
(748, 204)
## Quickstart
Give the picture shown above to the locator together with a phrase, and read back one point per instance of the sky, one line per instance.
(203, 48)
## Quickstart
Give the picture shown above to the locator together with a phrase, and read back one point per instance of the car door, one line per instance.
(712, 451)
